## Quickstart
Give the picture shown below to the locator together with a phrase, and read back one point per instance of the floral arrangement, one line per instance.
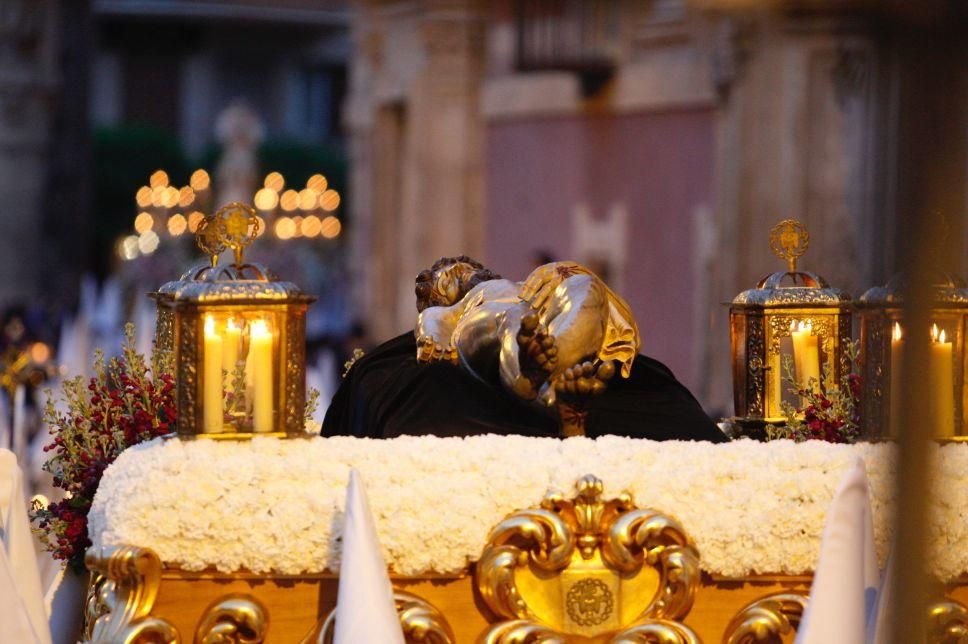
(275, 506)
(125, 403)
(828, 411)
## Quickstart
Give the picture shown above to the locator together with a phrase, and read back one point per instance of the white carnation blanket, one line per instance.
(276, 505)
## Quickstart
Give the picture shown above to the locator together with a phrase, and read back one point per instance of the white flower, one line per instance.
(276, 505)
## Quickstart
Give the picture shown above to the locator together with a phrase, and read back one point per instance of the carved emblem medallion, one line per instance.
(589, 602)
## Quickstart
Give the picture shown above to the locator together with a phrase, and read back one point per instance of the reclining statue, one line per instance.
(561, 331)
(538, 357)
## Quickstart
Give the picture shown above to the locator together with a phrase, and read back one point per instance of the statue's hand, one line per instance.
(543, 281)
(430, 350)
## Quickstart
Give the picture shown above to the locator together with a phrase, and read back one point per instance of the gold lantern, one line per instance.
(791, 312)
(235, 336)
(882, 336)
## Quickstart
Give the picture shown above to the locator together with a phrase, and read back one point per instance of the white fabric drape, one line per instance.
(365, 610)
(6, 430)
(877, 619)
(846, 578)
(21, 600)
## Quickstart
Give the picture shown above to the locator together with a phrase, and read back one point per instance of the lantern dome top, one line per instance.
(233, 226)
(949, 290)
(803, 289)
(789, 240)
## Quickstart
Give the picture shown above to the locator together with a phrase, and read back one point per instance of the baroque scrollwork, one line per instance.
(420, 621)
(767, 619)
(233, 619)
(947, 622)
(755, 377)
(522, 631)
(295, 394)
(647, 536)
(187, 373)
(126, 596)
(596, 543)
(822, 328)
(658, 631)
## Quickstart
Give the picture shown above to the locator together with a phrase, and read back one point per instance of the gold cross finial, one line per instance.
(235, 226)
(789, 240)
(207, 239)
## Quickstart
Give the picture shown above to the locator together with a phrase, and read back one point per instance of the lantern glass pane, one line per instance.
(239, 368)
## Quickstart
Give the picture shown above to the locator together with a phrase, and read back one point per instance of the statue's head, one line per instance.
(448, 281)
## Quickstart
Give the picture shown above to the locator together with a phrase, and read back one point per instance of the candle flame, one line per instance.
(934, 332)
(258, 327)
(231, 325)
(209, 325)
(941, 337)
(896, 334)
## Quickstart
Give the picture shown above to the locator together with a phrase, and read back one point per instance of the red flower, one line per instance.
(116, 409)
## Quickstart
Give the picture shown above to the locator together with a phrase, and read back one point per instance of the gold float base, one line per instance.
(291, 609)
(296, 604)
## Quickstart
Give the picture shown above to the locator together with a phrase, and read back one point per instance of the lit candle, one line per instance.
(260, 361)
(942, 385)
(230, 350)
(897, 350)
(212, 379)
(806, 354)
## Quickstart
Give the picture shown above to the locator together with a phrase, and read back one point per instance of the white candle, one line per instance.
(806, 355)
(942, 386)
(260, 363)
(897, 351)
(230, 350)
(212, 413)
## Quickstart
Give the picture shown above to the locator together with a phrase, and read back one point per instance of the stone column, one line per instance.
(441, 213)
(416, 147)
(27, 29)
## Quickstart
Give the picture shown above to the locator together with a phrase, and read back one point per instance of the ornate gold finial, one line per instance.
(206, 238)
(236, 226)
(789, 240)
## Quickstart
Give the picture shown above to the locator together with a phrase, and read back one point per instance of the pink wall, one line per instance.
(660, 164)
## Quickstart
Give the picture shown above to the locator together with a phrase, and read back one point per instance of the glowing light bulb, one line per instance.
(194, 219)
(285, 228)
(143, 222)
(200, 180)
(317, 183)
(177, 224)
(330, 227)
(143, 197)
(159, 179)
(266, 199)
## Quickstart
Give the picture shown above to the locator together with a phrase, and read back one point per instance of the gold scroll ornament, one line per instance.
(589, 568)
(125, 585)
(419, 619)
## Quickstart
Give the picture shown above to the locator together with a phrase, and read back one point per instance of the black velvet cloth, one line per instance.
(388, 393)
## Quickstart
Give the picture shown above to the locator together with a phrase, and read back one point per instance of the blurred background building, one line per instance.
(656, 141)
